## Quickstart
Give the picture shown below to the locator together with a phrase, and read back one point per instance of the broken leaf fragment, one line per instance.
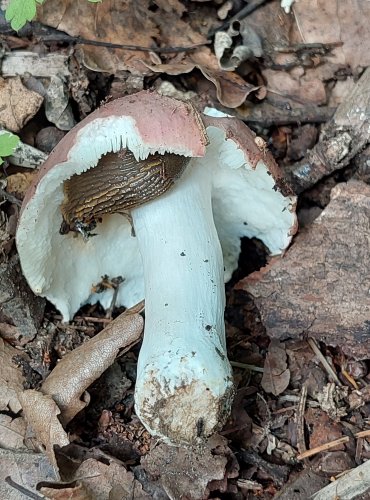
(276, 374)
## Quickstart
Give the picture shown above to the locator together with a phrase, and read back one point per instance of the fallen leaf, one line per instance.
(60, 491)
(12, 432)
(11, 379)
(276, 374)
(20, 182)
(111, 480)
(337, 21)
(21, 312)
(185, 473)
(18, 104)
(41, 413)
(129, 22)
(24, 468)
(81, 367)
(320, 288)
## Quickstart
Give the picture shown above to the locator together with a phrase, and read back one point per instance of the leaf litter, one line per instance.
(297, 327)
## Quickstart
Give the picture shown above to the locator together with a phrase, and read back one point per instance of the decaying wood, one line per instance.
(26, 156)
(345, 135)
(320, 288)
(24, 62)
(348, 487)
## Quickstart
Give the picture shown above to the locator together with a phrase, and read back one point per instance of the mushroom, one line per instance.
(184, 382)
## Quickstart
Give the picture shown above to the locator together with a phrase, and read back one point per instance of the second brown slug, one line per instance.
(117, 184)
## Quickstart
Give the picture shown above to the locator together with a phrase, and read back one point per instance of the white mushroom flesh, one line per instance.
(184, 381)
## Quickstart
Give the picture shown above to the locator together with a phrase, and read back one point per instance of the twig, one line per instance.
(62, 37)
(9, 197)
(266, 115)
(22, 489)
(253, 368)
(323, 447)
(328, 368)
(301, 445)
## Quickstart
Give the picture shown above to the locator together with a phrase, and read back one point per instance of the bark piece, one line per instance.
(21, 312)
(345, 135)
(348, 487)
(81, 367)
(18, 104)
(321, 287)
(30, 63)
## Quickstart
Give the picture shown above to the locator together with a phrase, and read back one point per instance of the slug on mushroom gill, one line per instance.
(116, 184)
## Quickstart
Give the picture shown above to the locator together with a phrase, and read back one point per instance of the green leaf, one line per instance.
(19, 12)
(8, 143)
(95, 1)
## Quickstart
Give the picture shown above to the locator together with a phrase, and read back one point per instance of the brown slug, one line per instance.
(117, 184)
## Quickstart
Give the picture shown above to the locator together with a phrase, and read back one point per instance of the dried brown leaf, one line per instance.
(20, 182)
(24, 468)
(185, 473)
(112, 480)
(335, 21)
(18, 104)
(81, 367)
(58, 491)
(276, 374)
(11, 379)
(12, 432)
(41, 413)
(321, 288)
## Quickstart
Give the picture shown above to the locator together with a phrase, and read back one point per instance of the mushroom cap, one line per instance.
(64, 268)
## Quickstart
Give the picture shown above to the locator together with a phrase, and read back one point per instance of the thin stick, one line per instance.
(323, 447)
(98, 43)
(246, 366)
(301, 445)
(22, 489)
(328, 368)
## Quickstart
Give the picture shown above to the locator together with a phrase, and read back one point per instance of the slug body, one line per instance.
(117, 184)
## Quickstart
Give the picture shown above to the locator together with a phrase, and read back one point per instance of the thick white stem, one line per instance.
(184, 382)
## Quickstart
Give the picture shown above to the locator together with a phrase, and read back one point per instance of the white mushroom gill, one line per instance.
(64, 268)
(184, 382)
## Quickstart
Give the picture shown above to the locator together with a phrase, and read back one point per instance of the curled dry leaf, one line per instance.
(185, 473)
(81, 367)
(232, 90)
(11, 379)
(276, 374)
(320, 288)
(229, 58)
(18, 104)
(41, 413)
